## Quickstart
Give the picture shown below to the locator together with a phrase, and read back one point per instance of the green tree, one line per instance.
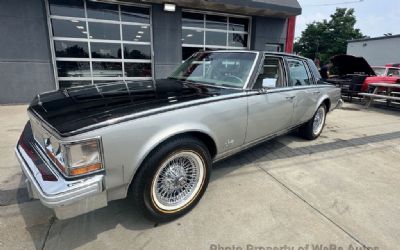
(329, 37)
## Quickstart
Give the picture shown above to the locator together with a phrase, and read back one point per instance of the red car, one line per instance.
(387, 74)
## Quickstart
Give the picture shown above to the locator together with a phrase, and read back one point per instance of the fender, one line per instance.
(164, 135)
(322, 99)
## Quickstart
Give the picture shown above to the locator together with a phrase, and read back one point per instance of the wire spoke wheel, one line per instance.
(319, 120)
(178, 181)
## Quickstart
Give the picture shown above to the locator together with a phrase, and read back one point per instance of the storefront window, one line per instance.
(100, 42)
(211, 32)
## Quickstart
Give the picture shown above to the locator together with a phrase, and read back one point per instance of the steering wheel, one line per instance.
(234, 77)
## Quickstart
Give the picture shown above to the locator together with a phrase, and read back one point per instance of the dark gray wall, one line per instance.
(267, 30)
(167, 34)
(25, 60)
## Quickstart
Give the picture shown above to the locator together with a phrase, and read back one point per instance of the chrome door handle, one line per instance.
(316, 92)
(290, 97)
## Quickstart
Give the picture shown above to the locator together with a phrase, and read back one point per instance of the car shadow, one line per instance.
(123, 212)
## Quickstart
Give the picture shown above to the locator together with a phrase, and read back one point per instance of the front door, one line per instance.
(269, 110)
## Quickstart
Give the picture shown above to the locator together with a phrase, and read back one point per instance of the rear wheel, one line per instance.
(313, 128)
(172, 179)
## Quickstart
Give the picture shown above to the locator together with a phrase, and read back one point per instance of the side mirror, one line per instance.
(390, 75)
(269, 83)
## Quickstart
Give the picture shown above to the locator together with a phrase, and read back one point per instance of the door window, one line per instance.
(298, 75)
(272, 71)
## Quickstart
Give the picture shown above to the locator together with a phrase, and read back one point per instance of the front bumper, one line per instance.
(68, 198)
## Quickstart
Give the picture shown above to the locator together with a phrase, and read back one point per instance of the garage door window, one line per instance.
(97, 42)
(211, 32)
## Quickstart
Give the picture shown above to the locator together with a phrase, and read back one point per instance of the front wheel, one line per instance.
(313, 128)
(173, 179)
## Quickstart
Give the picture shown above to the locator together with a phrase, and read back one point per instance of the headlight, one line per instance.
(83, 157)
(75, 158)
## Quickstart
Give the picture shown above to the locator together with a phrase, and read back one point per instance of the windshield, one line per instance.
(379, 71)
(228, 69)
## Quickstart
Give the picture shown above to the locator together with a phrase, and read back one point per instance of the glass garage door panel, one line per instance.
(107, 69)
(238, 24)
(105, 31)
(136, 33)
(106, 50)
(142, 69)
(237, 40)
(74, 8)
(135, 14)
(193, 36)
(192, 20)
(135, 51)
(216, 38)
(204, 31)
(102, 11)
(71, 49)
(73, 69)
(69, 28)
(216, 22)
(97, 42)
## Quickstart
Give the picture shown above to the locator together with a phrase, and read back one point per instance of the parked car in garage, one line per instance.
(86, 146)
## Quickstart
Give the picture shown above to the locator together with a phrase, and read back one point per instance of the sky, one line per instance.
(374, 17)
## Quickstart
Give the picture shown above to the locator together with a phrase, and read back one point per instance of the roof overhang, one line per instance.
(273, 8)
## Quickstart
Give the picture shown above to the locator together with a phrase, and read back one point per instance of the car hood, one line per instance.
(68, 111)
(347, 64)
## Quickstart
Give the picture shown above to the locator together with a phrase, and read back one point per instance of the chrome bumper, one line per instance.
(68, 198)
(339, 104)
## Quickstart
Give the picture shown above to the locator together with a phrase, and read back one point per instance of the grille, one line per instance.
(40, 134)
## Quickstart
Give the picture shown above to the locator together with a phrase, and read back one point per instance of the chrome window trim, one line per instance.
(89, 40)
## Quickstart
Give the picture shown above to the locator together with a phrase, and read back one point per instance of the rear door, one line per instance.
(304, 88)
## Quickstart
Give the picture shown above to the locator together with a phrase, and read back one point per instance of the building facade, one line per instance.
(52, 44)
(378, 51)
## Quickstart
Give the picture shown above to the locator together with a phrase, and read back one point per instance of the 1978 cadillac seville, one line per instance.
(86, 146)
